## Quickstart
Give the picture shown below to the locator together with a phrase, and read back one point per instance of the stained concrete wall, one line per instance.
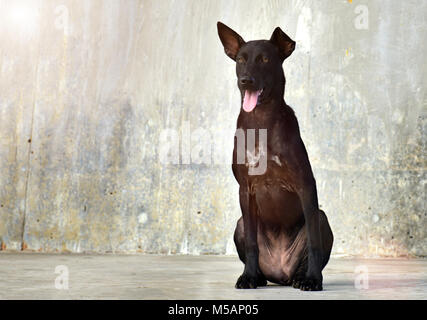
(88, 87)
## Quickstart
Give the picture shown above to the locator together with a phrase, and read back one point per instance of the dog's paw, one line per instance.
(261, 282)
(247, 282)
(309, 284)
(296, 283)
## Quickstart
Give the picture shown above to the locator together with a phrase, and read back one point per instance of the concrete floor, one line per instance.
(32, 276)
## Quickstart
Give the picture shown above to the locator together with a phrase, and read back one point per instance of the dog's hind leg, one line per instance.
(326, 236)
(239, 241)
(327, 241)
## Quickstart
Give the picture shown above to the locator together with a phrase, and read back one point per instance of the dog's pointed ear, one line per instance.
(231, 41)
(285, 44)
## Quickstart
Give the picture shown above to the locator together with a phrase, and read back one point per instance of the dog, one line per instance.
(282, 237)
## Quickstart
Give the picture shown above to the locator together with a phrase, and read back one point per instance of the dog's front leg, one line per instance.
(295, 156)
(249, 278)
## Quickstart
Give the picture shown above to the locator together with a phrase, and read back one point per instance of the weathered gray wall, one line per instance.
(83, 104)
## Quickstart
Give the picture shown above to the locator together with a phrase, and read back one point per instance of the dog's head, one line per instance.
(258, 64)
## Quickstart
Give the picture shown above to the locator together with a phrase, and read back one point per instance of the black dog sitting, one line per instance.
(283, 236)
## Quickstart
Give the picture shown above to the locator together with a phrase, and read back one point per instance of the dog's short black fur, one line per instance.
(282, 236)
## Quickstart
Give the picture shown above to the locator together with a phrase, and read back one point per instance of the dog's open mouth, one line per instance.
(250, 99)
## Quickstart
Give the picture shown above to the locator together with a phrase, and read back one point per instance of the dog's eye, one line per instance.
(265, 59)
(240, 59)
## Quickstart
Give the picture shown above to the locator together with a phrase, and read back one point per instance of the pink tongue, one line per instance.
(250, 100)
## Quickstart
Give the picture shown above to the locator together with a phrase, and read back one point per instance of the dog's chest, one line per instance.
(256, 156)
(260, 159)
(258, 162)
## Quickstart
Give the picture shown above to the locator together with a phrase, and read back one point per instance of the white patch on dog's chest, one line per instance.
(254, 157)
(277, 160)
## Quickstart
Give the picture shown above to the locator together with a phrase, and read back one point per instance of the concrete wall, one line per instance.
(87, 88)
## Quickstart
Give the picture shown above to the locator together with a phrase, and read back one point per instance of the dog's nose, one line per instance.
(246, 80)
